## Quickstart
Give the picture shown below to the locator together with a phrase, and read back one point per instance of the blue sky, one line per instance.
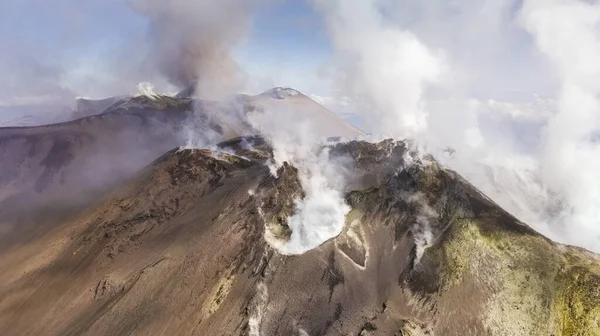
(79, 42)
(78, 26)
(288, 44)
(86, 46)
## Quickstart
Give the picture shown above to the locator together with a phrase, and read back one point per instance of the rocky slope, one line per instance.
(63, 162)
(68, 164)
(181, 250)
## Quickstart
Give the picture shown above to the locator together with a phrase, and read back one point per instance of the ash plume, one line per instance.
(191, 41)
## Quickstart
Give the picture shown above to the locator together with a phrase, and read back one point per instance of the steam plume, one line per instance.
(387, 68)
(191, 40)
(566, 32)
(460, 74)
(259, 303)
(147, 89)
(321, 214)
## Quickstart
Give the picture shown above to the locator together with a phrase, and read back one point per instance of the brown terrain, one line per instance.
(177, 246)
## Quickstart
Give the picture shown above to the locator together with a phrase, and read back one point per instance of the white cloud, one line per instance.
(384, 67)
(471, 75)
(566, 32)
(538, 110)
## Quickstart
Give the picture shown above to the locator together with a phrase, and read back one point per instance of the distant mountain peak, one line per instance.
(282, 93)
(276, 93)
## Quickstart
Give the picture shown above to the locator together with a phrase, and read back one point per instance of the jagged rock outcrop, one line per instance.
(181, 249)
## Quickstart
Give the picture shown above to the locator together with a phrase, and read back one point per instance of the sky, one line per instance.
(80, 43)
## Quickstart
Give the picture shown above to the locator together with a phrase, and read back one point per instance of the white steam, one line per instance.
(567, 33)
(421, 229)
(302, 332)
(259, 303)
(512, 86)
(321, 214)
(197, 134)
(147, 89)
(384, 67)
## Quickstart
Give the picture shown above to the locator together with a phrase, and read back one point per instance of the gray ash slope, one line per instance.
(180, 250)
(69, 158)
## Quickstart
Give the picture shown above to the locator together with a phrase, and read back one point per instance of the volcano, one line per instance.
(176, 243)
